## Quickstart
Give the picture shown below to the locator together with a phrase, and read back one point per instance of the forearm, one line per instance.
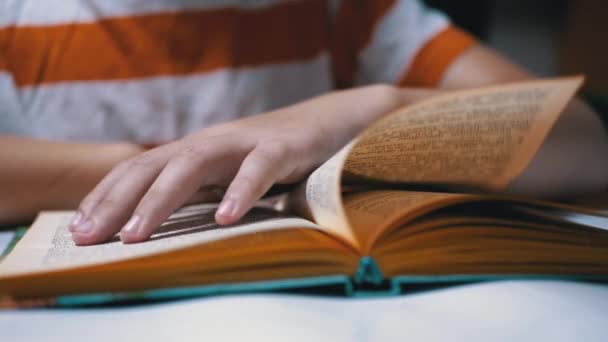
(573, 160)
(37, 175)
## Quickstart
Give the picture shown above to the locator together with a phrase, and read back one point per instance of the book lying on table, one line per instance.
(415, 198)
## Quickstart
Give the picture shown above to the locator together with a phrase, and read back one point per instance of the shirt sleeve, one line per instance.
(400, 42)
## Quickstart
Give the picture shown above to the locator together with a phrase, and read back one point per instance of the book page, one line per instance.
(372, 213)
(320, 199)
(482, 137)
(48, 244)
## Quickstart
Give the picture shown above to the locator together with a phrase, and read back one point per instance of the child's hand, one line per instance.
(248, 156)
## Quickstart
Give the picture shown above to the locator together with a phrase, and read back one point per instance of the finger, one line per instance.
(93, 198)
(115, 208)
(265, 165)
(182, 177)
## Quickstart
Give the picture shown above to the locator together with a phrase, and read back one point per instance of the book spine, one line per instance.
(368, 272)
(369, 281)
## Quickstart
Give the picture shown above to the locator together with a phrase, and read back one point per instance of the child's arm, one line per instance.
(37, 174)
(251, 154)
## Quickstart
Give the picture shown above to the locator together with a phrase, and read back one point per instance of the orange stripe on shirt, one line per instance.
(353, 28)
(4, 41)
(435, 57)
(174, 43)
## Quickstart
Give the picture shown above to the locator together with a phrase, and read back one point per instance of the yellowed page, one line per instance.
(320, 199)
(372, 213)
(48, 244)
(482, 137)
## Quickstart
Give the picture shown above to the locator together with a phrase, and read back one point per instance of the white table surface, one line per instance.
(497, 311)
(5, 239)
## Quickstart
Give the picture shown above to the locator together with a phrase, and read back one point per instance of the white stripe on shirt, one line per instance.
(396, 41)
(50, 12)
(163, 108)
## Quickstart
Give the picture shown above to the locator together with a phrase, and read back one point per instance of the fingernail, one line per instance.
(131, 227)
(76, 220)
(227, 207)
(84, 227)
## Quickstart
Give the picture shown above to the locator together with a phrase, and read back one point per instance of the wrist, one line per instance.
(364, 105)
(377, 100)
(114, 153)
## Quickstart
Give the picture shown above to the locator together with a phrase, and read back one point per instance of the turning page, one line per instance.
(320, 199)
(481, 137)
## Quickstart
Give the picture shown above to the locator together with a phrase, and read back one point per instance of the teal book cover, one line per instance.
(367, 282)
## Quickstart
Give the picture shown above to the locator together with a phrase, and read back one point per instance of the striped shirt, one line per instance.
(154, 70)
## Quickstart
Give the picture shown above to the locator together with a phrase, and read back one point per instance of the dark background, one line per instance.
(548, 37)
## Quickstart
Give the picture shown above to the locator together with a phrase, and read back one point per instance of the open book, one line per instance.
(391, 228)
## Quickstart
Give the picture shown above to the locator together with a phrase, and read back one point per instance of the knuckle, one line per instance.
(285, 159)
(122, 165)
(144, 160)
(316, 142)
(194, 155)
(273, 151)
(189, 151)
